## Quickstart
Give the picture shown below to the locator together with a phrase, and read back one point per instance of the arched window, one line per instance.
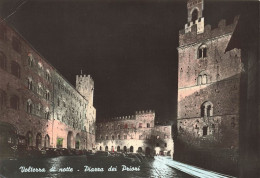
(15, 69)
(47, 113)
(47, 141)
(29, 83)
(38, 140)
(194, 15)
(2, 60)
(47, 95)
(113, 137)
(29, 138)
(30, 60)
(207, 109)
(202, 79)
(39, 89)
(148, 125)
(202, 51)
(14, 102)
(29, 106)
(118, 137)
(16, 44)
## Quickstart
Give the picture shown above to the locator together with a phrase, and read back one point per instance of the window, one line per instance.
(126, 126)
(207, 109)
(47, 95)
(113, 137)
(157, 137)
(165, 136)
(2, 99)
(148, 125)
(29, 106)
(58, 102)
(125, 137)
(140, 125)
(165, 144)
(140, 137)
(29, 83)
(47, 113)
(194, 15)
(48, 75)
(202, 51)
(16, 44)
(2, 61)
(14, 102)
(118, 137)
(30, 60)
(39, 89)
(202, 79)
(106, 137)
(15, 69)
(205, 130)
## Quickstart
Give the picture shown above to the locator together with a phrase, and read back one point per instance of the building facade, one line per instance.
(38, 106)
(136, 133)
(208, 93)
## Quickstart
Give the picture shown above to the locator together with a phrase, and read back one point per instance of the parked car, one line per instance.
(51, 152)
(65, 152)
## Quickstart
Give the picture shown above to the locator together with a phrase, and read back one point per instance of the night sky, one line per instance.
(128, 47)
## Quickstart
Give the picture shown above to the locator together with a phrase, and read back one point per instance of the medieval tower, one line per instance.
(85, 86)
(208, 93)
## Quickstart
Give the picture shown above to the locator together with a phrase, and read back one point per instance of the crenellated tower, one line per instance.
(85, 86)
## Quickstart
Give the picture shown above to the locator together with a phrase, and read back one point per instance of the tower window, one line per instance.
(202, 51)
(205, 130)
(207, 109)
(29, 106)
(29, 84)
(202, 79)
(194, 15)
(148, 125)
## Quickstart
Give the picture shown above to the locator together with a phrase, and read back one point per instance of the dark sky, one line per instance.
(128, 47)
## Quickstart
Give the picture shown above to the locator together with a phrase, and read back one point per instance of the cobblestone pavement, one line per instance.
(81, 166)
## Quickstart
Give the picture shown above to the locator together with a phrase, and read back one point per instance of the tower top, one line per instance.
(195, 15)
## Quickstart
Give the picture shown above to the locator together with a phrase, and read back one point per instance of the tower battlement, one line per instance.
(192, 36)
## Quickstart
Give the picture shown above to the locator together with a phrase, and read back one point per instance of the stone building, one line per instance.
(209, 81)
(38, 106)
(136, 133)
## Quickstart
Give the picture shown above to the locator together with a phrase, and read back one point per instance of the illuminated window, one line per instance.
(202, 51)
(29, 106)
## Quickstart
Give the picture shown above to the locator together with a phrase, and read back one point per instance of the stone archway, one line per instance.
(77, 143)
(69, 139)
(8, 138)
(118, 148)
(131, 149)
(106, 148)
(47, 141)
(147, 151)
(39, 140)
(125, 149)
(100, 148)
(29, 138)
(140, 150)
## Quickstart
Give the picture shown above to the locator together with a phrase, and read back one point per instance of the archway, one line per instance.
(112, 148)
(8, 138)
(125, 149)
(69, 139)
(131, 149)
(147, 151)
(29, 138)
(100, 148)
(118, 148)
(140, 150)
(47, 141)
(194, 15)
(77, 144)
(106, 148)
(38, 140)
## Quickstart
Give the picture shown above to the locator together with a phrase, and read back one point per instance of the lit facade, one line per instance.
(38, 106)
(136, 133)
